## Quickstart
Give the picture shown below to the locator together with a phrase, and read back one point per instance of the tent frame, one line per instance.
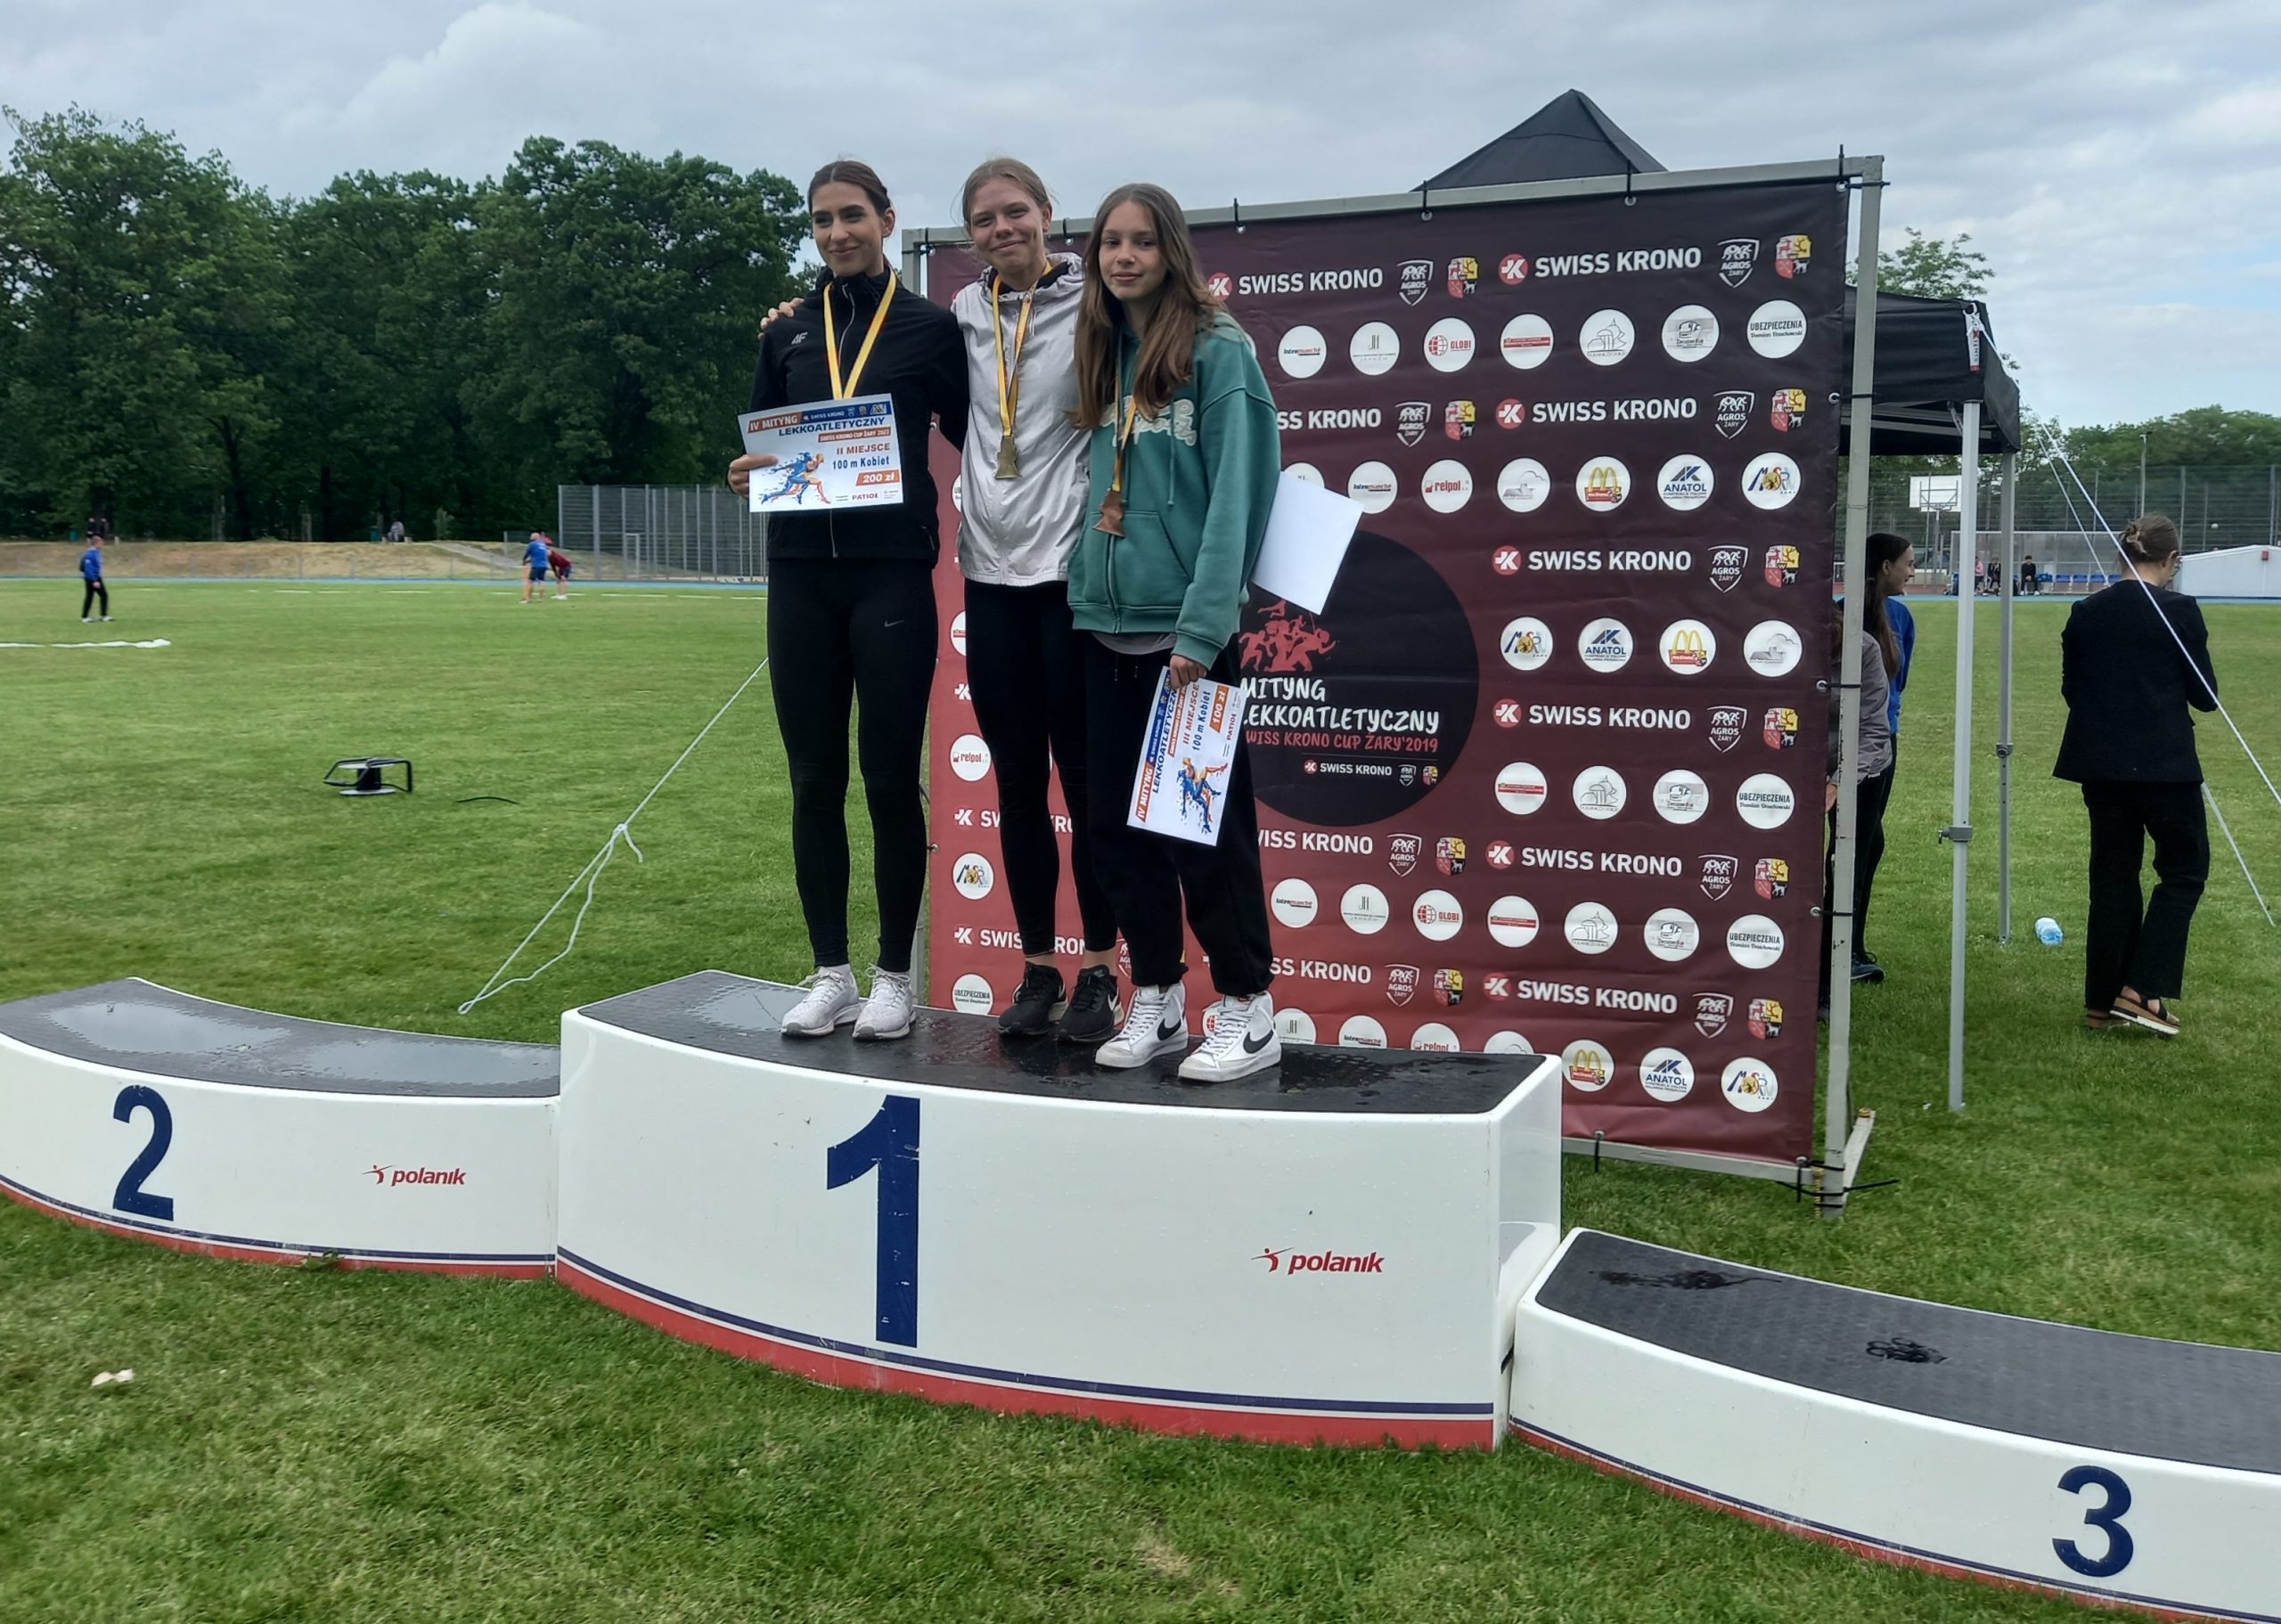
(1845, 1133)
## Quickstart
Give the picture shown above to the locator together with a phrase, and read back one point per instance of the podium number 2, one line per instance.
(889, 1142)
(131, 1197)
(2107, 1518)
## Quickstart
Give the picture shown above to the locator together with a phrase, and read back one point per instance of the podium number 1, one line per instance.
(889, 1142)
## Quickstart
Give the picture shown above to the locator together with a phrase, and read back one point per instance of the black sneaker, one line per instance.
(1867, 969)
(1037, 1004)
(1093, 1015)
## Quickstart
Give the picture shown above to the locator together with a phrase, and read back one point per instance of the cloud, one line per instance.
(2120, 171)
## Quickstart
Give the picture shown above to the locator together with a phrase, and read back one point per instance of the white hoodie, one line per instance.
(1020, 532)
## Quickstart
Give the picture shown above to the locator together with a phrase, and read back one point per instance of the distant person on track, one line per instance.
(2133, 657)
(852, 623)
(91, 575)
(396, 532)
(559, 561)
(534, 566)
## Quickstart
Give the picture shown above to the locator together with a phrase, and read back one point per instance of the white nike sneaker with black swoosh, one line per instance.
(1157, 1023)
(1242, 1040)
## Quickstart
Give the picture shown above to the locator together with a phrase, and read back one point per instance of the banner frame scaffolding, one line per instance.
(1845, 1138)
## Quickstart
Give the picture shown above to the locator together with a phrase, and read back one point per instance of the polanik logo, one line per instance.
(1604, 644)
(1414, 278)
(1410, 419)
(1684, 484)
(1689, 646)
(1737, 259)
(1605, 337)
(1289, 1260)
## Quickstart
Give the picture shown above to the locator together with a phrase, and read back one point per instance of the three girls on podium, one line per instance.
(1119, 457)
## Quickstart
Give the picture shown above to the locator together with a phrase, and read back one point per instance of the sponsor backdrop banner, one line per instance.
(1546, 773)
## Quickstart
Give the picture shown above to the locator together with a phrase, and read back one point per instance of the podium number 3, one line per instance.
(2107, 1518)
(131, 1197)
(889, 1142)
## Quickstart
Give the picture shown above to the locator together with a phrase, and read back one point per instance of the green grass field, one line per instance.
(311, 1445)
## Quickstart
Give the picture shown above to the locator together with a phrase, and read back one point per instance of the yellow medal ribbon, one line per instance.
(846, 391)
(1010, 380)
(1112, 519)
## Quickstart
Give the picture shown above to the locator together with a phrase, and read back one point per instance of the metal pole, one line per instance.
(2142, 473)
(1960, 830)
(2010, 469)
(1837, 1115)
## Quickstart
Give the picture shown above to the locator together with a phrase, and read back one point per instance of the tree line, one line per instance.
(175, 344)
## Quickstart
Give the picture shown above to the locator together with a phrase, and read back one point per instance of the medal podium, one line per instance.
(212, 1128)
(1329, 1251)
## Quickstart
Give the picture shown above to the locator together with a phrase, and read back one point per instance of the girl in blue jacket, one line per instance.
(1184, 461)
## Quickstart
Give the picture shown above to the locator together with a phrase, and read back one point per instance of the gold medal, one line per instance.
(1010, 377)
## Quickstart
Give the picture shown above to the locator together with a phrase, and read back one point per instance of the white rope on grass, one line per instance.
(592, 872)
(2238, 858)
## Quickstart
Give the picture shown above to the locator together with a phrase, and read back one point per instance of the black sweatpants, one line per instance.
(860, 631)
(95, 589)
(1869, 835)
(1025, 666)
(1146, 874)
(2123, 946)
(1872, 853)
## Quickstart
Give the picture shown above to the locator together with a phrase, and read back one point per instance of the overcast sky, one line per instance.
(2120, 165)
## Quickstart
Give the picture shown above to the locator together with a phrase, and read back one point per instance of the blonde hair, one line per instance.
(2150, 539)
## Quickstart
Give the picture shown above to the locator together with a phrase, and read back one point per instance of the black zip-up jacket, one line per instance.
(919, 359)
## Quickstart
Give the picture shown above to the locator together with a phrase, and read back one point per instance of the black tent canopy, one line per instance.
(1933, 355)
(1567, 138)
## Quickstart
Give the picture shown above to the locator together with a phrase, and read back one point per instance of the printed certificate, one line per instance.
(1186, 758)
(830, 454)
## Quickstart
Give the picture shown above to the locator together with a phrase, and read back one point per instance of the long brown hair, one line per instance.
(1884, 547)
(851, 172)
(1185, 308)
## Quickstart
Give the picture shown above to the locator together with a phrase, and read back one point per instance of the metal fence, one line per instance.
(661, 532)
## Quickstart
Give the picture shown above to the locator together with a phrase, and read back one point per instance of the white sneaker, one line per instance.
(887, 1013)
(831, 1003)
(1157, 1023)
(1242, 1040)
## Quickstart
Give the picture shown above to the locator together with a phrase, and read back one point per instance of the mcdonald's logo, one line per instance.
(1686, 650)
(1603, 486)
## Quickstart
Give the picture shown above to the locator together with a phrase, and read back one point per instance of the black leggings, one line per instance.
(841, 630)
(1025, 665)
(1147, 875)
(95, 589)
(1868, 836)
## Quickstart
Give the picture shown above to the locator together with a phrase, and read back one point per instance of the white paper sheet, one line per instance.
(1307, 534)
(1185, 759)
(830, 454)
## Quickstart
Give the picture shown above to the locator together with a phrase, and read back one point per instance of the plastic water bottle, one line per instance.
(2048, 931)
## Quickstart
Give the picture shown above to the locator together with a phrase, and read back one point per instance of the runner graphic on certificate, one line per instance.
(1185, 757)
(829, 454)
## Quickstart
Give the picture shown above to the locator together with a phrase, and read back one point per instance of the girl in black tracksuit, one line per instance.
(851, 597)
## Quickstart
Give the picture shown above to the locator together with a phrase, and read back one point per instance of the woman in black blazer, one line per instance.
(2133, 657)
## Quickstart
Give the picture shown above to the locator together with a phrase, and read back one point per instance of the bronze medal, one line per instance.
(1112, 519)
(1010, 466)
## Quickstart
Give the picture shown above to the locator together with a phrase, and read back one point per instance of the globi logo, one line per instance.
(1437, 915)
(1448, 345)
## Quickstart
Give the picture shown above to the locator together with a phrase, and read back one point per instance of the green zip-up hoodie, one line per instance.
(1200, 479)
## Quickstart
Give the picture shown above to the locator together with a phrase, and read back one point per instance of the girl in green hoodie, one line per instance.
(1184, 461)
